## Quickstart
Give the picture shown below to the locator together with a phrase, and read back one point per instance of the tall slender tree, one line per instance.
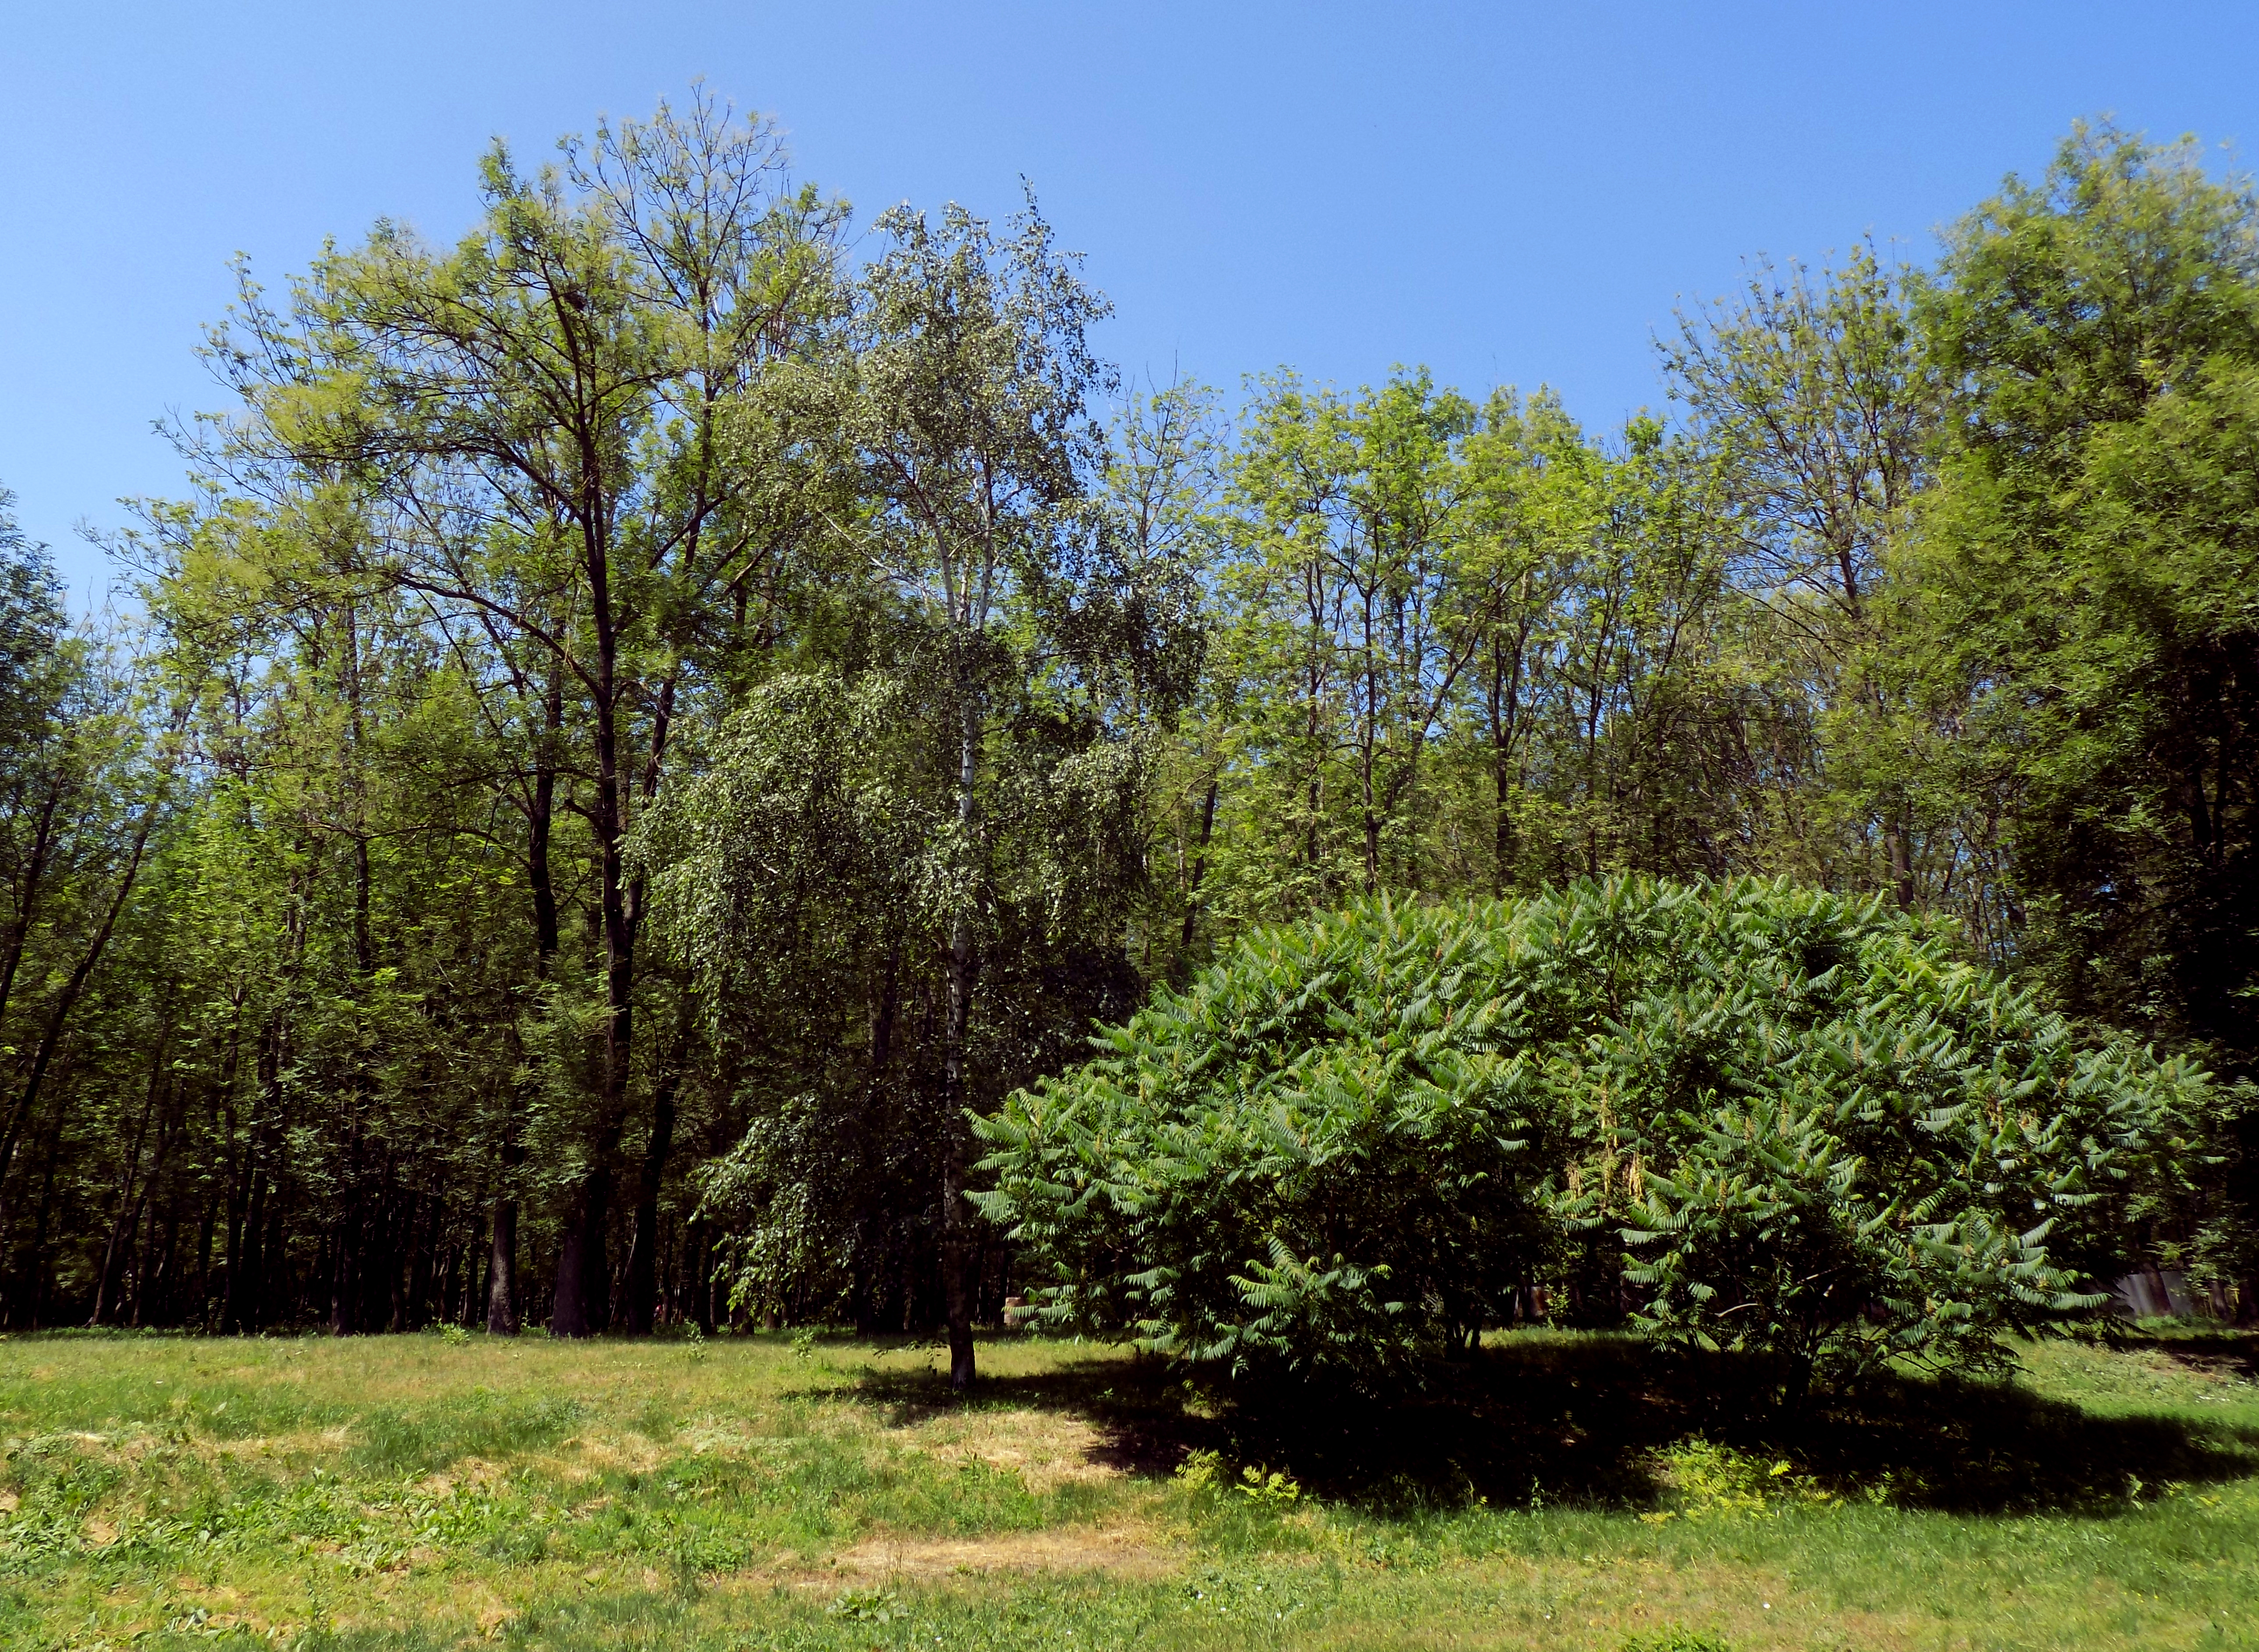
(542, 420)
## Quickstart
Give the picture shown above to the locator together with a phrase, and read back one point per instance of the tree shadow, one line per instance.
(2232, 1354)
(1583, 1419)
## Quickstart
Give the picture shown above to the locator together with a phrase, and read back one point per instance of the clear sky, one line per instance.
(1507, 193)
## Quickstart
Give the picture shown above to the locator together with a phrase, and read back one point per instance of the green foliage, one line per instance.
(645, 721)
(1709, 1480)
(947, 814)
(1459, 648)
(2083, 568)
(1756, 1117)
(1676, 1639)
(2077, 602)
(1313, 1154)
(1203, 1478)
(868, 1606)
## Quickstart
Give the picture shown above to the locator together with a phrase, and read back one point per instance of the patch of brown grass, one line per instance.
(1046, 1449)
(1126, 1551)
(585, 1455)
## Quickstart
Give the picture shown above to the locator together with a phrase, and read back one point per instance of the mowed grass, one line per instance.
(766, 1492)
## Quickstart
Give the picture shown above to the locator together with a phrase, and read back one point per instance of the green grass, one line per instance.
(416, 1492)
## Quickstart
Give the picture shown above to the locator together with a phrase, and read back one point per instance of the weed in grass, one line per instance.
(1675, 1639)
(869, 1605)
(1706, 1479)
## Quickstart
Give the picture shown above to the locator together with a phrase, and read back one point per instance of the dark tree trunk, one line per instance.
(399, 1264)
(501, 1269)
(1505, 721)
(46, 1208)
(344, 1282)
(957, 1217)
(698, 1266)
(503, 1302)
(275, 1303)
(643, 1256)
(583, 1302)
(1199, 871)
(127, 1220)
(207, 1221)
(66, 999)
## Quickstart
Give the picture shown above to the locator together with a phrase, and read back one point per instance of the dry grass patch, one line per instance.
(1123, 1550)
(588, 1457)
(1046, 1449)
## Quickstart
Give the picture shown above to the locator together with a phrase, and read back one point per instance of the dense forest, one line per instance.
(643, 720)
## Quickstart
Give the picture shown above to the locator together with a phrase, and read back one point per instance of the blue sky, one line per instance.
(1508, 194)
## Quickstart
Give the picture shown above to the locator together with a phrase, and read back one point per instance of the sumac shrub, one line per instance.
(1740, 1115)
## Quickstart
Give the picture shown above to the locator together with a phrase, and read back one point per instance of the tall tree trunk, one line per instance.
(643, 1246)
(128, 1217)
(1505, 721)
(402, 1262)
(238, 1199)
(643, 1255)
(501, 1257)
(47, 1208)
(149, 1271)
(698, 1263)
(1898, 840)
(1199, 871)
(583, 1303)
(344, 1278)
(958, 1252)
(206, 1222)
(501, 1246)
(246, 1208)
(67, 1000)
(274, 1302)
(1368, 756)
(35, 867)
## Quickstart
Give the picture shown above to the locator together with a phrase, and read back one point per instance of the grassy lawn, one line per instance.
(761, 1492)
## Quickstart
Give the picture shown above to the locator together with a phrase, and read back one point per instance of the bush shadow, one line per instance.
(1582, 1420)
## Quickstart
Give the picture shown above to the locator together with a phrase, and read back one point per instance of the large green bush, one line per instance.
(1740, 1115)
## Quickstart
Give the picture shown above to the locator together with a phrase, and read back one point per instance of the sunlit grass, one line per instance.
(416, 1492)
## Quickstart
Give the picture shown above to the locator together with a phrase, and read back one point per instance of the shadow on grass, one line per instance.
(1581, 1420)
(2214, 1351)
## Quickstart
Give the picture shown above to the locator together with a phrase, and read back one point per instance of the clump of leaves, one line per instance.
(1758, 1117)
(1271, 1488)
(1201, 1473)
(1709, 1479)
(869, 1605)
(1204, 1476)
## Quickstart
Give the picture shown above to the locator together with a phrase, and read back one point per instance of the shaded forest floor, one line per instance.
(753, 1492)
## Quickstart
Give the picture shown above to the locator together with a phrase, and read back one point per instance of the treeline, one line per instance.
(647, 716)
